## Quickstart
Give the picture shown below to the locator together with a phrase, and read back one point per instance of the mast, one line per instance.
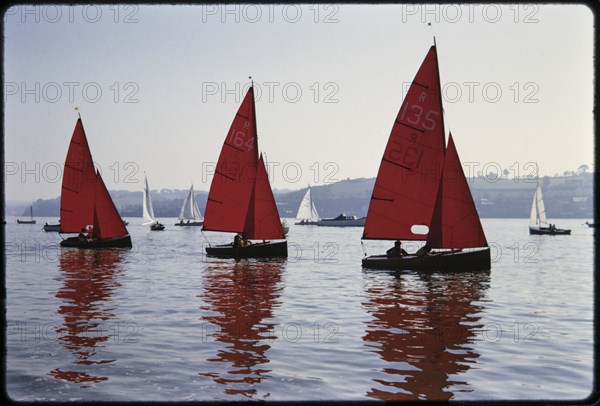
(254, 118)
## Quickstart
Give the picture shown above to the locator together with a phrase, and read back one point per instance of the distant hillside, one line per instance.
(564, 197)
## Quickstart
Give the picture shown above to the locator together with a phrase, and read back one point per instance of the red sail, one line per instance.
(233, 181)
(455, 221)
(262, 221)
(107, 221)
(409, 174)
(78, 184)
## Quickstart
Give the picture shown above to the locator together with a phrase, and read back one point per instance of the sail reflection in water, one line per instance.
(89, 280)
(239, 299)
(423, 326)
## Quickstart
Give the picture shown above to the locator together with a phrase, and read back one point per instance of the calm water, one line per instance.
(163, 322)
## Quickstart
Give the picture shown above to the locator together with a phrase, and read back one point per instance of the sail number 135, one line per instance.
(416, 117)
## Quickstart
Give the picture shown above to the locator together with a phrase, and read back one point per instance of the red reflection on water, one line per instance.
(89, 279)
(423, 325)
(242, 294)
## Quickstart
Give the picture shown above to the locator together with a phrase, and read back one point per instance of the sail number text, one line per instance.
(414, 115)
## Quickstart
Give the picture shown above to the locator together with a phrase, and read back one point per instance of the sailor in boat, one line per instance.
(396, 250)
(86, 234)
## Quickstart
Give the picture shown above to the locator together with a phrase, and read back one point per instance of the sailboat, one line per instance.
(538, 223)
(421, 193)
(85, 204)
(149, 211)
(190, 214)
(31, 219)
(240, 199)
(307, 212)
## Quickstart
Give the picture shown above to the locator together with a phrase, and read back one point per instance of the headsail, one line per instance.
(307, 210)
(455, 222)
(106, 219)
(78, 184)
(262, 220)
(147, 205)
(233, 181)
(409, 174)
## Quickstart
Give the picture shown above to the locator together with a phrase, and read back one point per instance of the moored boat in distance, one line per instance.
(421, 193)
(242, 201)
(591, 225)
(51, 227)
(343, 220)
(307, 212)
(190, 216)
(31, 219)
(538, 222)
(85, 204)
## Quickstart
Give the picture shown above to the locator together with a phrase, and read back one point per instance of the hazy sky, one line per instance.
(158, 87)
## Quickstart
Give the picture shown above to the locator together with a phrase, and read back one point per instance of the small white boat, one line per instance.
(149, 211)
(190, 214)
(307, 212)
(538, 222)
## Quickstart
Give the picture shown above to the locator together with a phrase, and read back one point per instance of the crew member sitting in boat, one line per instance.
(424, 250)
(237, 240)
(396, 250)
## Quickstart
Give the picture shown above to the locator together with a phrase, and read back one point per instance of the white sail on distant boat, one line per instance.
(538, 222)
(149, 211)
(307, 212)
(190, 214)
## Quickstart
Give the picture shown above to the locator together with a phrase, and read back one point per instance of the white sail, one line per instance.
(538, 211)
(307, 210)
(147, 205)
(189, 210)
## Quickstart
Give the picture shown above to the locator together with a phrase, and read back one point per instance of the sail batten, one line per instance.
(409, 173)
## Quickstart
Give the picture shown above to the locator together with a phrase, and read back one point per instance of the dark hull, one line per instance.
(190, 224)
(119, 242)
(466, 261)
(547, 231)
(51, 227)
(157, 227)
(306, 223)
(257, 250)
(25, 221)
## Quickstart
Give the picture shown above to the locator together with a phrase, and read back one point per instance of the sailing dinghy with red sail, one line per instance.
(85, 204)
(240, 199)
(421, 193)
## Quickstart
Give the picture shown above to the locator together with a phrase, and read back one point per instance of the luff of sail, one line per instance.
(78, 184)
(407, 182)
(148, 211)
(307, 210)
(233, 182)
(262, 220)
(107, 220)
(538, 211)
(455, 222)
